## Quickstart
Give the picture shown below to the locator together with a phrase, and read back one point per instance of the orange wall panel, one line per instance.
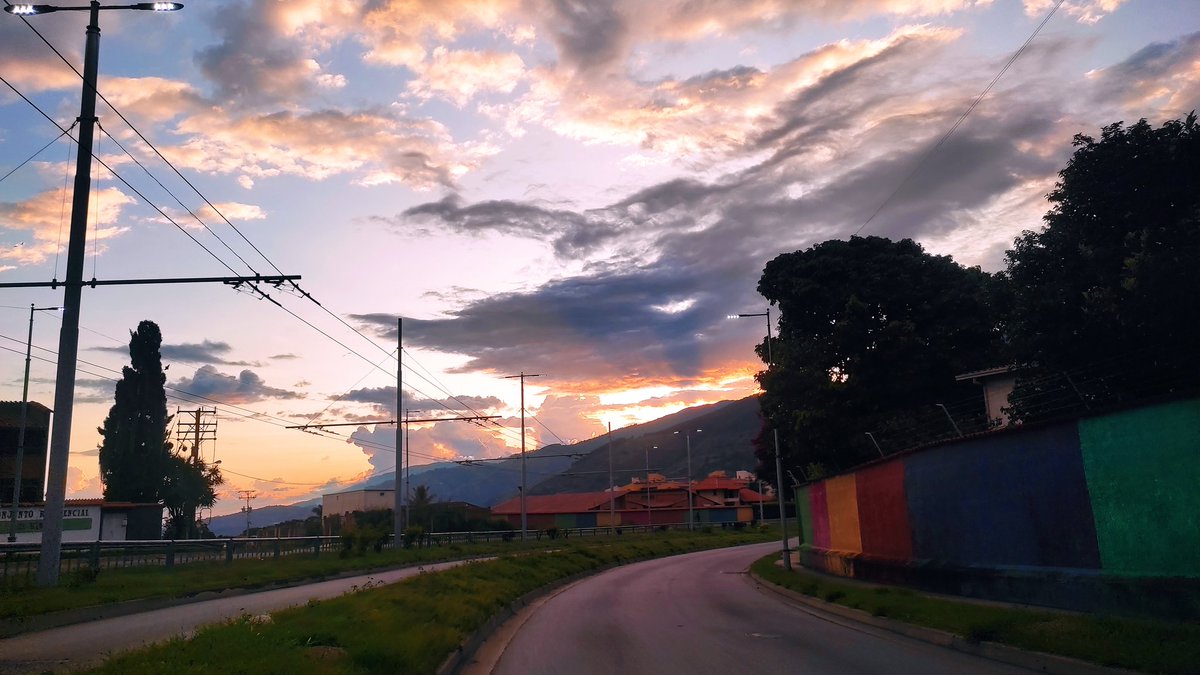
(841, 493)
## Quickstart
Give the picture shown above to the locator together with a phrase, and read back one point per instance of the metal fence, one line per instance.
(19, 561)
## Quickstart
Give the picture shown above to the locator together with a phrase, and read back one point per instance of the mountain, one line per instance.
(723, 444)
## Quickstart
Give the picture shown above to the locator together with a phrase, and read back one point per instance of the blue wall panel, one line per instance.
(1010, 499)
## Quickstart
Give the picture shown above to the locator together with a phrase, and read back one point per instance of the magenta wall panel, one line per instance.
(820, 516)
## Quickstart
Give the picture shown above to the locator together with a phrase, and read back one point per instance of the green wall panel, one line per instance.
(1143, 474)
(804, 514)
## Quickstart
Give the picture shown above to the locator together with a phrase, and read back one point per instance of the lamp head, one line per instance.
(159, 6)
(29, 10)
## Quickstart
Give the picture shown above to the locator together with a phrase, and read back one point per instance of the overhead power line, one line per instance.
(961, 118)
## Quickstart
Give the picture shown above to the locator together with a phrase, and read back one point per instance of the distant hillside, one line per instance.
(724, 444)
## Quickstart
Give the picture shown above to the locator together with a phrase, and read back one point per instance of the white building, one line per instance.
(341, 503)
(87, 520)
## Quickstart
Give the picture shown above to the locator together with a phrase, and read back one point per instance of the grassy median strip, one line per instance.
(1143, 645)
(406, 627)
(80, 590)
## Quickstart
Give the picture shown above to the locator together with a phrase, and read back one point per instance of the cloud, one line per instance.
(384, 398)
(1085, 11)
(460, 75)
(246, 387)
(40, 217)
(1162, 77)
(206, 351)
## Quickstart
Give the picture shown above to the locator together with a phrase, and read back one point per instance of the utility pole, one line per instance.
(196, 431)
(247, 495)
(19, 465)
(524, 513)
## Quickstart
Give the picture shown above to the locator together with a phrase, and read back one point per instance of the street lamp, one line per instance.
(787, 558)
(951, 418)
(872, 437)
(691, 514)
(649, 505)
(18, 467)
(68, 337)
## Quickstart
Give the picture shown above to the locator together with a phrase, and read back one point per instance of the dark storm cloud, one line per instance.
(585, 328)
(834, 153)
(385, 399)
(572, 232)
(206, 351)
(588, 34)
(1139, 79)
(246, 387)
(253, 62)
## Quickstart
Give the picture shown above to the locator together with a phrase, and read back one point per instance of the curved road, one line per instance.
(702, 613)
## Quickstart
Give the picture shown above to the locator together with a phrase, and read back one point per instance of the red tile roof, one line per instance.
(580, 502)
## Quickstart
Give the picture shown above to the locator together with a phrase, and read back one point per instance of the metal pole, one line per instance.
(691, 512)
(400, 490)
(872, 437)
(761, 490)
(787, 558)
(524, 514)
(649, 506)
(951, 418)
(612, 497)
(68, 337)
(18, 467)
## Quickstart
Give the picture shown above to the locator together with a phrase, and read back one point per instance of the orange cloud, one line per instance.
(459, 75)
(44, 214)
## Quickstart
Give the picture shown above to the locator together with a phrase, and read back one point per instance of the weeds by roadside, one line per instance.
(1138, 644)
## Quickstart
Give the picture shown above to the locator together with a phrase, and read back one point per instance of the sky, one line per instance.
(581, 191)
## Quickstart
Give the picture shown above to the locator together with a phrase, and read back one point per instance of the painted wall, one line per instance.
(1118, 494)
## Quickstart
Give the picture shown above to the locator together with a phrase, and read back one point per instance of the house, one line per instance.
(88, 520)
(33, 456)
(715, 500)
(997, 385)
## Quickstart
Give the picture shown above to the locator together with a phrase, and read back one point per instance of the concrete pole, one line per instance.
(68, 337)
(400, 487)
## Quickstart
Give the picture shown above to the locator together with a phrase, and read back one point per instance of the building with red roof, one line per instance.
(715, 500)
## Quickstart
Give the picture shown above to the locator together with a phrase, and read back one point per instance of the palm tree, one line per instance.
(420, 505)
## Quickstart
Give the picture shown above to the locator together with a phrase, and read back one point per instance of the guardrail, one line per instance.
(19, 561)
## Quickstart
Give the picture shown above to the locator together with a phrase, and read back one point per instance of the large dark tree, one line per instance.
(872, 333)
(134, 453)
(1105, 292)
(136, 462)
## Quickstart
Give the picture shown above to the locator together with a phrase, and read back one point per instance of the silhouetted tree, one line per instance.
(136, 462)
(871, 335)
(1106, 289)
(134, 455)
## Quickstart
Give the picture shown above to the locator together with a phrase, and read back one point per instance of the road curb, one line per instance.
(1052, 664)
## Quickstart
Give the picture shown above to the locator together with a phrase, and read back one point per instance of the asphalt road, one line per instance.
(82, 644)
(701, 613)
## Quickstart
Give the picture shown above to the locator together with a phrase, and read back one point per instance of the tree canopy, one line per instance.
(1105, 289)
(136, 459)
(134, 452)
(871, 335)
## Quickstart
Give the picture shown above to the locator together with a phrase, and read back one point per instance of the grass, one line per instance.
(1139, 644)
(407, 627)
(139, 583)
